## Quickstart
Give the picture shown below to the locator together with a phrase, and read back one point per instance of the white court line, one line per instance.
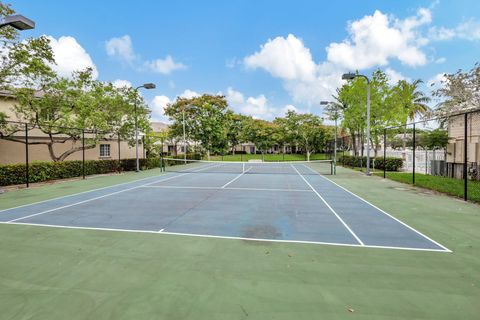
(389, 215)
(329, 207)
(241, 174)
(230, 188)
(103, 196)
(222, 237)
(74, 194)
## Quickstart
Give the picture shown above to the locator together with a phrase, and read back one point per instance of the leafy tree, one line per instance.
(234, 129)
(411, 101)
(206, 120)
(306, 131)
(64, 107)
(459, 91)
(259, 132)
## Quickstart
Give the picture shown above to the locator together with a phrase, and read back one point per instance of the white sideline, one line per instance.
(103, 196)
(329, 207)
(384, 212)
(161, 231)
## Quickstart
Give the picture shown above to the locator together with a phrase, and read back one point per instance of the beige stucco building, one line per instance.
(12, 152)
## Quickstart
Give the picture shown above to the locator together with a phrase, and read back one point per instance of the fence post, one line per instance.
(384, 153)
(465, 149)
(119, 155)
(27, 174)
(83, 153)
(414, 145)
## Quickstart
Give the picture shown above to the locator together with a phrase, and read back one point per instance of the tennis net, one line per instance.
(288, 167)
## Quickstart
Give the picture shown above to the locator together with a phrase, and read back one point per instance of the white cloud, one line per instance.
(157, 106)
(285, 58)
(121, 48)
(119, 83)
(395, 76)
(257, 107)
(165, 66)
(189, 94)
(70, 56)
(441, 60)
(375, 39)
(467, 30)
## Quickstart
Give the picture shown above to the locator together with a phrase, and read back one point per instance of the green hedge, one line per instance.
(46, 171)
(390, 164)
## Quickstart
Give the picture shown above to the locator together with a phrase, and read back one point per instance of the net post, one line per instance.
(465, 149)
(413, 155)
(27, 167)
(384, 153)
(83, 153)
(332, 172)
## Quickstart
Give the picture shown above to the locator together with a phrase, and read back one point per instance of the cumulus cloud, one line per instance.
(165, 66)
(467, 30)
(257, 107)
(70, 56)
(375, 39)
(188, 94)
(395, 76)
(119, 83)
(121, 48)
(437, 81)
(158, 105)
(285, 58)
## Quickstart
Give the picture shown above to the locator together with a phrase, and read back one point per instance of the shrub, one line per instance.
(390, 164)
(45, 171)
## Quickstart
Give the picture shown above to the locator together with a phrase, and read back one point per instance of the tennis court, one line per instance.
(286, 202)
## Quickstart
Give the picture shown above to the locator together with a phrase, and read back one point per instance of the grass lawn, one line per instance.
(449, 186)
(268, 157)
(53, 273)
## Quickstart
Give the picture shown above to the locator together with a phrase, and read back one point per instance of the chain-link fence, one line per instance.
(442, 154)
(33, 153)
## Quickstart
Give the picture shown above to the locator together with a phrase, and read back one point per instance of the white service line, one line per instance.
(241, 174)
(329, 207)
(103, 196)
(229, 188)
(386, 213)
(161, 231)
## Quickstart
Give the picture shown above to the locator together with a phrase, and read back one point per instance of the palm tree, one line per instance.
(412, 102)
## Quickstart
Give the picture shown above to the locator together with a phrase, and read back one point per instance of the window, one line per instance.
(104, 150)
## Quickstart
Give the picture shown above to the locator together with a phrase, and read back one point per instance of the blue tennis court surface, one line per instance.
(299, 206)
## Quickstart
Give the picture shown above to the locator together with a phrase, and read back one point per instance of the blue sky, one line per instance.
(265, 56)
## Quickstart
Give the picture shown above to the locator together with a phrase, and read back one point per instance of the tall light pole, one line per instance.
(184, 137)
(335, 117)
(350, 76)
(18, 22)
(146, 86)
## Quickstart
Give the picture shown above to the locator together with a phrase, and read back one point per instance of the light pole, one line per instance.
(184, 137)
(18, 22)
(335, 117)
(146, 86)
(350, 76)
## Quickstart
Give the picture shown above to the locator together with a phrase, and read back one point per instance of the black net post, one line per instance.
(465, 167)
(27, 174)
(384, 153)
(83, 153)
(414, 145)
(119, 154)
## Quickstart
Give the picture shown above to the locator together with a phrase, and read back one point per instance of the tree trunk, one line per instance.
(208, 154)
(308, 155)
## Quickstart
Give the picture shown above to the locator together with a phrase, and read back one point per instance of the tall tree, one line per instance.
(459, 91)
(64, 107)
(411, 101)
(206, 120)
(259, 132)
